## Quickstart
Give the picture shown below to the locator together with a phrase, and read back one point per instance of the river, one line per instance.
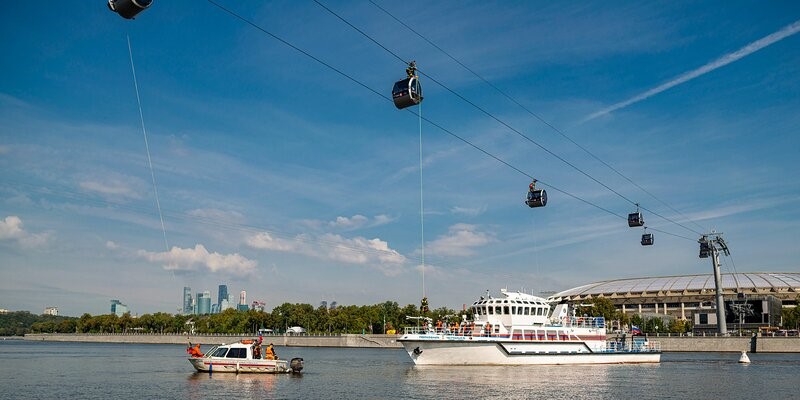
(51, 370)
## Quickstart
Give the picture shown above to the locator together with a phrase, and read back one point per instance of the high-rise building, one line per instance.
(187, 301)
(204, 303)
(215, 308)
(323, 304)
(242, 301)
(118, 308)
(225, 305)
(47, 311)
(222, 295)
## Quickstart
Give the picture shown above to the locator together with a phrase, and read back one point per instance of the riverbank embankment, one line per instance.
(759, 344)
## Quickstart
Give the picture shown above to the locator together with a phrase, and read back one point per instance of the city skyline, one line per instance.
(236, 158)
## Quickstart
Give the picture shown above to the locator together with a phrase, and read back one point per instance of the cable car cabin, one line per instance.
(647, 239)
(536, 198)
(705, 250)
(407, 93)
(635, 219)
(128, 8)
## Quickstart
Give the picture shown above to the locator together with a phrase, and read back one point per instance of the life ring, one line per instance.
(247, 341)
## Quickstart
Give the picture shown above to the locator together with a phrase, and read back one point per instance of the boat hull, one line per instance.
(452, 352)
(210, 364)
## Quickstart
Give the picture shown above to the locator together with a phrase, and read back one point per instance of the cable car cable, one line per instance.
(435, 124)
(489, 114)
(538, 117)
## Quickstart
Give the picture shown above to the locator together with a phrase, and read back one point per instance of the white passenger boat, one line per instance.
(520, 329)
(242, 356)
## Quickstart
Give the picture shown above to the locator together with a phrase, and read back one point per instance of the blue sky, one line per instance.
(278, 176)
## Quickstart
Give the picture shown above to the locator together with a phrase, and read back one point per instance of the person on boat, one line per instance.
(269, 353)
(194, 351)
(256, 351)
(488, 329)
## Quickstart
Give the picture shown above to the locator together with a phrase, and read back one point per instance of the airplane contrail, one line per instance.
(751, 48)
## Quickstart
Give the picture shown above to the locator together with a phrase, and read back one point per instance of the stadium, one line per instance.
(753, 300)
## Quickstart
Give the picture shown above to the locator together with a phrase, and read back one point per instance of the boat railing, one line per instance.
(584, 322)
(637, 346)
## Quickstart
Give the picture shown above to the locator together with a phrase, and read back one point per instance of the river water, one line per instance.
(50, 370)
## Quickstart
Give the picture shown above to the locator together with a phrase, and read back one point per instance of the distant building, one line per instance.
(323, 304)
(118, 308)
(215, 308)
(222, 294)
(47, 311)
(4, 311)
(203, 303)
(258, 305)
(243, 298)
(243, 307)
(225, 305)
(333, 305)
(187, 301)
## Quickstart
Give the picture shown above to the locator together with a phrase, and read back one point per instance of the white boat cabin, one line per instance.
(515, 309)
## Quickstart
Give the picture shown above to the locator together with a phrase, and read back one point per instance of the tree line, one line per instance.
(376, 318)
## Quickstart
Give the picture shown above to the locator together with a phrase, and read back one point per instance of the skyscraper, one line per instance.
(243, 301)
(187, 301)
(204, 302)
(222, 295)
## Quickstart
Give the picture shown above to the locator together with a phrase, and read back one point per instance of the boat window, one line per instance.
(220, 352)
(505, 301)
(527, 311)
(491, 310)
(498, 310)
(541, 311)
(505, 310)
(237, 353)
(513, 310)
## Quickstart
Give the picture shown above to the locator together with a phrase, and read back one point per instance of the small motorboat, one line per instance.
(243, 356)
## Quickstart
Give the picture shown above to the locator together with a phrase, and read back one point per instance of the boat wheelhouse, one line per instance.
(520, 329)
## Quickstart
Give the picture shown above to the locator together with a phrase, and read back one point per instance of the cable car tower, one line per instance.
(712, 244)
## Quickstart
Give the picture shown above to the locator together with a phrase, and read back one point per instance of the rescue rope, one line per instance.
(147, 146)
(421, 203)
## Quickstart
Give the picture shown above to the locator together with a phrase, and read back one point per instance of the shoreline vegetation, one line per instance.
(381, 318)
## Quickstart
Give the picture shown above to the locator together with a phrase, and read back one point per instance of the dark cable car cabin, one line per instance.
(705, 249)
(647, 239)
(407, 92)
(536, 197)
(128, 8)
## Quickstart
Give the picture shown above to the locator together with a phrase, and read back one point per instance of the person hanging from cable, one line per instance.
(411, 71)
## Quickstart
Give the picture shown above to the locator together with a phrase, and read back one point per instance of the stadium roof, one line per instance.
(749, 282)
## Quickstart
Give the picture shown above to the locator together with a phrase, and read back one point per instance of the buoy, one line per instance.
(744, 359)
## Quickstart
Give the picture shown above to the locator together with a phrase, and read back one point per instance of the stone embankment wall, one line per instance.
(376, 341)
(761, 344)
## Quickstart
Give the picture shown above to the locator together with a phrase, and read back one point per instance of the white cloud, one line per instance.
(111, 245)
(265, 241)
(357, 221)
(460, 240)
(745, 51)
(179, 259)
(354, 222)
(471, 212)
(375, 253)
(11, 229)
(111, 187)
(216, 214)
